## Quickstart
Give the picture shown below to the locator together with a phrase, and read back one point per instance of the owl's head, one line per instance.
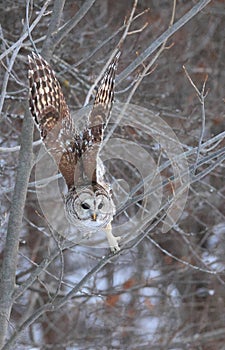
(90, 207)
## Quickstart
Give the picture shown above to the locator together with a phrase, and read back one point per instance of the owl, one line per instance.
(88, 203)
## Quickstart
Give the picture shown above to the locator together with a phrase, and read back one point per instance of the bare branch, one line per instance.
(201, 96)
(48, 48)
(162, 38)
(121, 41)
(128, 24)
(141, 76)
(14, 226)
(55, 305)
(67, 27)
(63, 285)
(6, 77)
(26, 34)
(108, 39)
(17, 148)
(17, 208)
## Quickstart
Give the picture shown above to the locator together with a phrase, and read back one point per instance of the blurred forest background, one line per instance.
(166, 290)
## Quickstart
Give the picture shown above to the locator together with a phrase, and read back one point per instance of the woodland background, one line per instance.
(163, 291)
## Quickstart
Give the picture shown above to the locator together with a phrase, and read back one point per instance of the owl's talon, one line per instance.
(115, 249)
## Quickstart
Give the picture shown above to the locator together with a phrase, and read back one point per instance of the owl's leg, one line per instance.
(113, 241)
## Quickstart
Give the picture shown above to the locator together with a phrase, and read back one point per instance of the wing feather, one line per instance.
(52, 116)
(98, 119)
(76, 155)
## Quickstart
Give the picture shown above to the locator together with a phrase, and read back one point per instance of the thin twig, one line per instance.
(201, 96)
(120, 43)
(17, 148)
(140, 78)
(9, 263)
(6, 77)
(161, 39)
(26, 34)
(67, 27)
(128, 24)
(108, 39)
(52, 306)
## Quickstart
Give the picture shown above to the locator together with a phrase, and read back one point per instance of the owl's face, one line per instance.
(88, 208)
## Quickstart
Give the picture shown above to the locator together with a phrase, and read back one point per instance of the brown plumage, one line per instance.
(75, 153)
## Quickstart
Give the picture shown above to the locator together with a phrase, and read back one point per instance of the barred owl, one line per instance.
(88, 203)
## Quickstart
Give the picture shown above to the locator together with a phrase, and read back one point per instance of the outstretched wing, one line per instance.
(104, 96)
(98, 119)
(51, 113)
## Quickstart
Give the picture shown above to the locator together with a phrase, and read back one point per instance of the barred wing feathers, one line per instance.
(76, 154)
(98, 118)
(51, 113)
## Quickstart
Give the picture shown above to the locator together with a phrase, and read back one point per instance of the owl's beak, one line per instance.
(94, 216)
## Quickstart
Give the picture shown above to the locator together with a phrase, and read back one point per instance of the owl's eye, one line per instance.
(85, 206)
(100, 206)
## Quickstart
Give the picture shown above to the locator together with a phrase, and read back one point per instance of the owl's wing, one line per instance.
(104, 96)
(98, 119)
(51, 113)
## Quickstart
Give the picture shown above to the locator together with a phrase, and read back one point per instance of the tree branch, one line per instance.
(18, 201)
(64, 30)
(162, 38)
(52, 306)
(14, 226)
(26, 34)
(48, 48)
